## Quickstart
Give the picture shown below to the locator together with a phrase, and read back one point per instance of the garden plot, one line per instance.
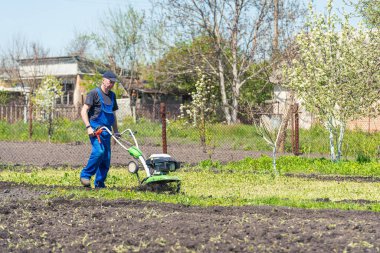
(314, 205)
(28, 223)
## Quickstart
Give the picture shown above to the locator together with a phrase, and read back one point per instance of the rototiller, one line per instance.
(157, 167)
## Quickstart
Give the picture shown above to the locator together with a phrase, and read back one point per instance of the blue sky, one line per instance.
(54, 23)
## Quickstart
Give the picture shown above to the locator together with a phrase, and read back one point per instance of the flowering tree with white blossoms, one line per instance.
(336, 73)
(45, 98)
(202, 107)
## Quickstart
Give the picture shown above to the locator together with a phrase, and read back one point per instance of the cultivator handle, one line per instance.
(134, 151)
(97, 133)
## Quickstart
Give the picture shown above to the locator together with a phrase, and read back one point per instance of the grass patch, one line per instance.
(205, 186)
(297, 165)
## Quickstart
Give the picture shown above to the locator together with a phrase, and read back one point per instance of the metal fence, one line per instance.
(20, 112)
(223, 143)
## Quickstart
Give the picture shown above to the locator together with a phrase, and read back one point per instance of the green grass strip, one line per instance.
(202, 187)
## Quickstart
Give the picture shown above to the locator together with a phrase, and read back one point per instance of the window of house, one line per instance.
(68, 92)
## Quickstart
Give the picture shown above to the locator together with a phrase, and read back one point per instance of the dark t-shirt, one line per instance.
(92, 99)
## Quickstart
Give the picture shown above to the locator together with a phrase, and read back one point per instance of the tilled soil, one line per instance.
(29, 224)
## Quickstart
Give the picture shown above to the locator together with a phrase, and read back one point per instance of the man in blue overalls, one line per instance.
(99, 110)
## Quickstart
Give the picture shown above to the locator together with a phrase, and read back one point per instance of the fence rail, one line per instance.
(70, 112)
(14, 113)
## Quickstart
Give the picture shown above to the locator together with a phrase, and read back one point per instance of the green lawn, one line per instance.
(219, 185)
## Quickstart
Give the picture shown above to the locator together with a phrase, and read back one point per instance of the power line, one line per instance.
(106, 2)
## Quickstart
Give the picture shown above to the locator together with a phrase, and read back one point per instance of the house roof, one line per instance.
(55, 59)
(15, 89)
(84, 65)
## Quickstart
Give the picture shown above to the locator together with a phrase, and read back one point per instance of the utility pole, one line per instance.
(275, 28)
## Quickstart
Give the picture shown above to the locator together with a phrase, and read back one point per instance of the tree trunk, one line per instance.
(331, 137)
(340, 140)
(235, 104)
(226, 108)
(154, 111)
(50, 127)
(202, 131)
(282, 135)
(235, 85)
(30, 118)
(274, 151)
(235, 71)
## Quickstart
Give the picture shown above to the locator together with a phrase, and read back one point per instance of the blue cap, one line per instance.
(110, 76)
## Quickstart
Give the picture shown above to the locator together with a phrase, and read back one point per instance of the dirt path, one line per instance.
(28, 224)
(49, 154)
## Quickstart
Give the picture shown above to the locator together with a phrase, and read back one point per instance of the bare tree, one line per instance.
(241, 37)
(270, 130)
(120, 40)
(211, 18)
(28, 53)
(79, 46)
(155, 47)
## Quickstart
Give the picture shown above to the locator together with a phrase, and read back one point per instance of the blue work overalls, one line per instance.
(100, 158)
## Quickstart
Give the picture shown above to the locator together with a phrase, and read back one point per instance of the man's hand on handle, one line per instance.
(90, 131)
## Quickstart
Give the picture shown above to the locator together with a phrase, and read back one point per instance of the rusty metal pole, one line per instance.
(163, 120)
(296, 130)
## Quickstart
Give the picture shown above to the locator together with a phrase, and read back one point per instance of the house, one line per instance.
(70, 70)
